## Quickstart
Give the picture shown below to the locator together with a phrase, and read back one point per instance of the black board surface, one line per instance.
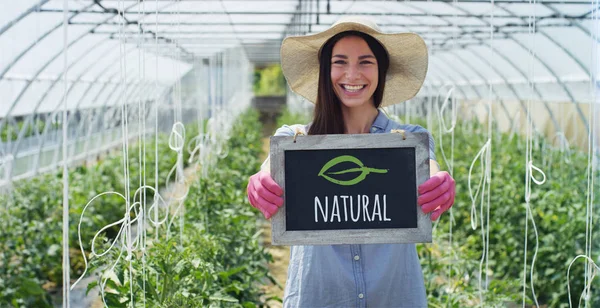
(337, 189)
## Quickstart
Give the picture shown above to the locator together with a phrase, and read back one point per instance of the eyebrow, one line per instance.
(360, 58)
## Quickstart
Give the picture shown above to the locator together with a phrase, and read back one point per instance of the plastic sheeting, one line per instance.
(473, 44)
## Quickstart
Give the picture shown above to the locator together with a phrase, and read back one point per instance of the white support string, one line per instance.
(443, 128)
(529, 166)
(142, 154)
(450, 165)
(586, 294)
(125, 224)
(125, 135)
(481, 154)
(450, 99)
(591, 162)
(531, 178)
(488, 161)
(177, 144)
(156, 104)
(195, 144)
(181, 179)
(483, 188)
(65, 174)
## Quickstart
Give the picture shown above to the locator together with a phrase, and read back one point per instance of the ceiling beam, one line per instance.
(34, 8)
(379, 14)
(187, 32)
(382, 25)
(446, 1)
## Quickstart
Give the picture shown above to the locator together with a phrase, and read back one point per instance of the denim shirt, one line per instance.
(373, 275)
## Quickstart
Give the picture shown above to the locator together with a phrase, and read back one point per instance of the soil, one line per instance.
(277, 269)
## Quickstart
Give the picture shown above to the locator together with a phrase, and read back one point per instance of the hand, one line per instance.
(264, 194)
(436, 195)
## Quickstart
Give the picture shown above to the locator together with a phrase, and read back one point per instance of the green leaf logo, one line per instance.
(364, 171)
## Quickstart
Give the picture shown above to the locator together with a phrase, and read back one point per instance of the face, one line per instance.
(354, 72)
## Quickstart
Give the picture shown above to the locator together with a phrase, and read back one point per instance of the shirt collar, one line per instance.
(380, 123)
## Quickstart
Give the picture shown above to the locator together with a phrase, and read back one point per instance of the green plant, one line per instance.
(30, 252)
(11, 132)
(269, 81)
(558, 208)
(216, 259)
(288, 117)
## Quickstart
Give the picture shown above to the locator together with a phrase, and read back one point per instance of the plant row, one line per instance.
(11, 133)
(31, 246)
(455, 274)
(214, 258)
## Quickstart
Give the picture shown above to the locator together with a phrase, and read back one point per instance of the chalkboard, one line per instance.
(350, 189)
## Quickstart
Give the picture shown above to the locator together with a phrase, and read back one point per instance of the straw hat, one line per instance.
(407, 53)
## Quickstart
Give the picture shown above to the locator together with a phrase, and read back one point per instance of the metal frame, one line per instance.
(305, 15)
(36, 74)
(32, 9)
(467, 64)
(212, 13)
(54, 83)
(513, 15)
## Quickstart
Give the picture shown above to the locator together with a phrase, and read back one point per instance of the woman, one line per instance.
(350, 70)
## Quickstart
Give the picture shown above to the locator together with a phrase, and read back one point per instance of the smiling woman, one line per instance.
(349, 71)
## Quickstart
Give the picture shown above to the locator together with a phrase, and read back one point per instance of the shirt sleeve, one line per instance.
(421, 129)
(285, 130)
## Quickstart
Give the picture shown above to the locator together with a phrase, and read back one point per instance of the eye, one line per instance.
(339, 62)
(366, 62)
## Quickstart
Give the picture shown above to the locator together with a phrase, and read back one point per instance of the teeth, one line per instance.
(353, 88)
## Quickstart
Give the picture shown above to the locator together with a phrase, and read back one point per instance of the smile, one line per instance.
(353, 88)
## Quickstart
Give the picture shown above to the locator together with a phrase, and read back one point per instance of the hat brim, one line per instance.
(406, 73)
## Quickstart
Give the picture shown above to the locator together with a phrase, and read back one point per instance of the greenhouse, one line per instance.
(130, 129)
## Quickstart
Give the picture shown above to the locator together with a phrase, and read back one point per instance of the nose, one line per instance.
(352, 72)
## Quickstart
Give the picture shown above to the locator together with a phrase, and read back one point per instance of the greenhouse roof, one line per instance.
(473, 44)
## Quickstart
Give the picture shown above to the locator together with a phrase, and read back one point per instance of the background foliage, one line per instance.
(31, 249)
(11, 133)
(558, 207)
(269, 81)
(217, 259)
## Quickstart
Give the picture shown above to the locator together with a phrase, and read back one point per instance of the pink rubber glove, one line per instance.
(436, 195)
(264, 194)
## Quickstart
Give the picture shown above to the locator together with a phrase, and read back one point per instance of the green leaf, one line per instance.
(223, 298)
(351, 159)
(227, 274)
(31, 287)
(90, 286)
(249, 305)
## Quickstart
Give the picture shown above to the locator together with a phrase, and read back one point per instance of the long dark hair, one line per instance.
(328, 118)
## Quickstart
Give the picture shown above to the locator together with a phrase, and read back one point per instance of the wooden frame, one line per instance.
(280, 144)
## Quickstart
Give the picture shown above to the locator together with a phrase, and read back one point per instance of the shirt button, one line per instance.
(356, 258)
(360, 295)
(373, 129)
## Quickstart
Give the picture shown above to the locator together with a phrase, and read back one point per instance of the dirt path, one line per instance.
(278, 269)
(281, 254)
